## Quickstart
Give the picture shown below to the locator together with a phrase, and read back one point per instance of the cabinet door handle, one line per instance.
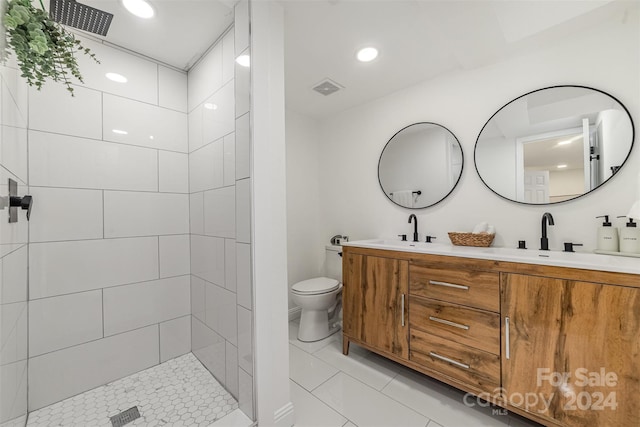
(402, 309)
(448, 285)
(446, 359)
(449, 323)
(507, 351)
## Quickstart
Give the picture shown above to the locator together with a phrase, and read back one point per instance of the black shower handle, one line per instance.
(25, 203)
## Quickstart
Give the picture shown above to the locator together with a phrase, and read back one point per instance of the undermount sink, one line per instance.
(587, 261)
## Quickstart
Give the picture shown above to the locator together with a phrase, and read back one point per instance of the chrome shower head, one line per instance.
(81, 16)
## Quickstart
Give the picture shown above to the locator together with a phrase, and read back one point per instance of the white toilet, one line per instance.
(320, 299)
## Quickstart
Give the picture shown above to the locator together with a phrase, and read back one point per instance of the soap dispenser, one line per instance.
(607, 236)
(630, 237)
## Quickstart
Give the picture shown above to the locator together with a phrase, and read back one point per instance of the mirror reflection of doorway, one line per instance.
(556, 166)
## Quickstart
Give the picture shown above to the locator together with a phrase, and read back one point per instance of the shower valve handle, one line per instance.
(25, 203)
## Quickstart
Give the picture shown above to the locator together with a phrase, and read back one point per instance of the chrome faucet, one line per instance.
(544, 241)
(415, 226)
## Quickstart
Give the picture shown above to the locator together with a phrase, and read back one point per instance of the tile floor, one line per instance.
(363, 389)
(179, 392)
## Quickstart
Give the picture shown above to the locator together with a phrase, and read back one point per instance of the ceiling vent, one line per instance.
(327, 87)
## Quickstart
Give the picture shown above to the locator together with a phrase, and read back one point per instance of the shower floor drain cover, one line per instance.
(125, 417)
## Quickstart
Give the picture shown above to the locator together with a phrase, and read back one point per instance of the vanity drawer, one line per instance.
(469, 326)
(479, 289)
(472, 366)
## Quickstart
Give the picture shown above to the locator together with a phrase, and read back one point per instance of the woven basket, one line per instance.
(470, 239)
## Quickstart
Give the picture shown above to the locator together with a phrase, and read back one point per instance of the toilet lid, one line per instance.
(318, 285)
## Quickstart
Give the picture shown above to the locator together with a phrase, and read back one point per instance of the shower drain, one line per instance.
(125, 417)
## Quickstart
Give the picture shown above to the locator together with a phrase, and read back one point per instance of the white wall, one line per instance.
(109, 231)
(303, 203)
(350, 197)
(13, 251)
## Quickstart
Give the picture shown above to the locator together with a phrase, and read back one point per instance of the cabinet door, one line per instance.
(374, 302)
(571, 350)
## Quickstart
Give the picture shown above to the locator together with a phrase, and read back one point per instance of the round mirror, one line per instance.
(420, 165)
(554, 144)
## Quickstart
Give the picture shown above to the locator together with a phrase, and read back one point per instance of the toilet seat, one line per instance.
(315, 286)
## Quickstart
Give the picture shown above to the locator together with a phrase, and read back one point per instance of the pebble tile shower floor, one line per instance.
(179, 392)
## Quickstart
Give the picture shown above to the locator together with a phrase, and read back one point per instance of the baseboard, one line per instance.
(284, 416)
(294, 313)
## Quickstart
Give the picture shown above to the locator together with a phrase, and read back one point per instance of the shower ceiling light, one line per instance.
(562, 166)
(367, 54)
(139, 8)
(244, 60)
(118, 78)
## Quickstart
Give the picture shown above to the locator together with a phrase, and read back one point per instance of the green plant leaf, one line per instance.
(44, 49)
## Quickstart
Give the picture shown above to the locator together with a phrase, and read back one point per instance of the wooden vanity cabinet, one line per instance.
(508, 332)
(571, 350)
(374, 303)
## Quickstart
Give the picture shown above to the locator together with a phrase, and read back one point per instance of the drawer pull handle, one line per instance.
(446, 359)
(448, 285)
(402, 308)
(449, 323)
(507, 349)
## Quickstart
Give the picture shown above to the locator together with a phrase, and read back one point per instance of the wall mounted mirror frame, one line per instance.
(554, 144)
(420, 165)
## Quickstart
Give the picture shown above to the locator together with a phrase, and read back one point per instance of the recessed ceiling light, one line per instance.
(567, 142)
(244, 60)
(118, 78)
(119, 132)
(210, 106)
(562, 166)
(367, 54)
(150, 136)
(139, 8)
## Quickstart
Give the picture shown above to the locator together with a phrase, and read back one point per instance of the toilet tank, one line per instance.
(333, 262)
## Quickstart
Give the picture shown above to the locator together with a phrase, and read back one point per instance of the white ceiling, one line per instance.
(417, 39)
(179, 34)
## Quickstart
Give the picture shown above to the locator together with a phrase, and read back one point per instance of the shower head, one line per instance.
(81, 16)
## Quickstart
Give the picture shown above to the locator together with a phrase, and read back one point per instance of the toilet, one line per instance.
(320, 299)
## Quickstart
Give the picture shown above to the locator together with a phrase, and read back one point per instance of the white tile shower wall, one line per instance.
(133, 214)
(207, 258)
(220, 218)
(173, 172)
(136, 123)
(172, 87)
(109, 249)
(174, 255)
(66, 161)
(175, 338)
(13, 252)
(64, 321)
(60, 374)
(129, 307)
(52, 109)
(66, 214)
(59, 268)
(141, 75)
(213, 162)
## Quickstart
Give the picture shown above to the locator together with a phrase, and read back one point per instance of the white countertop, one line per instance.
(583, 260)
